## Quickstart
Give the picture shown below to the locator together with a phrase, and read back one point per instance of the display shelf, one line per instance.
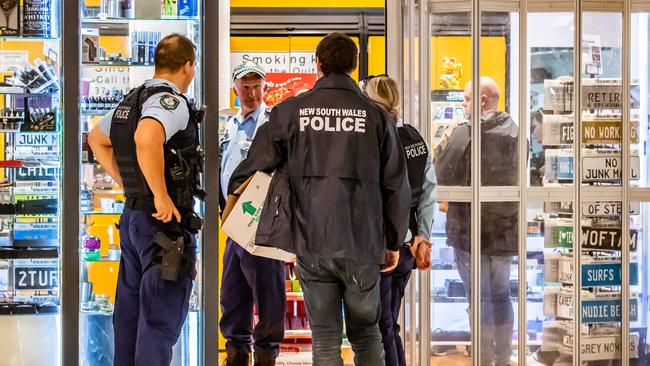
(115, 64)
(297, 334)
(103, 213)
(35, 38)
(7, 253)
(295, 296)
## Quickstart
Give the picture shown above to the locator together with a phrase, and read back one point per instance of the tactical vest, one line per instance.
(416, 152)
(183, 159)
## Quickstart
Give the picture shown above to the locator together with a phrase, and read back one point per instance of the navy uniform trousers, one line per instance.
(247, 280)
(392, 288)
(149, 311)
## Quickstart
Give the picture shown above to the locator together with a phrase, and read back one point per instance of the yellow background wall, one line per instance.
(493, 59)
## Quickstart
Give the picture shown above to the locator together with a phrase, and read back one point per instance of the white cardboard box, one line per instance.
(242, 215)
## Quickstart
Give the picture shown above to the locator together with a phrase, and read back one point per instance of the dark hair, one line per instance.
(337, 54)
(174, 51)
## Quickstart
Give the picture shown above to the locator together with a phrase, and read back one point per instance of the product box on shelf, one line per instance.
(37, 18)
(10, 23)
(241, 217)
(90, 45)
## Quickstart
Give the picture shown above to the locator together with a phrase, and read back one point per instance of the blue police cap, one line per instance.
(247, 67)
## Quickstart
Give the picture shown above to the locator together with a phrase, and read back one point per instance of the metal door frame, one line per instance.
(522, 193)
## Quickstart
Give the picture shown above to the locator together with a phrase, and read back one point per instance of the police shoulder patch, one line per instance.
(169, 102)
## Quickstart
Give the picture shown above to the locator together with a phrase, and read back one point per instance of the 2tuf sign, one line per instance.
(36, 278)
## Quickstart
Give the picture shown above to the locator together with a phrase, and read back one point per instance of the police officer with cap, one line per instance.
(339, 200)
(248, 279)
(149, 145)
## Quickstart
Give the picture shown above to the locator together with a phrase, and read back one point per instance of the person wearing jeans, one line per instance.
(331, 284)
(497, 313)
(338, 199)
(499, 236)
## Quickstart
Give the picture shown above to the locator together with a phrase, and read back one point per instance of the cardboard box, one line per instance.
(242, 215)
(89, 46)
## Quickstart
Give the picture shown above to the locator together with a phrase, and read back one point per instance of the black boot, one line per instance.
(263, 357)
(235, 357)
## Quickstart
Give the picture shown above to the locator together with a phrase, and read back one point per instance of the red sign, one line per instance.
(280, 86)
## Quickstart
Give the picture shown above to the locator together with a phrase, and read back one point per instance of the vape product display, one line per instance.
(143, 46)
(100, 105)
(38, 78)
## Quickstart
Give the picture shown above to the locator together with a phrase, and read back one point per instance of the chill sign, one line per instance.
(607, 168)
(36, 278)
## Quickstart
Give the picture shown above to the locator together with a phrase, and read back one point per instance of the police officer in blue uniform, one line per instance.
(149, 145)
(339, 199)
(248, 279)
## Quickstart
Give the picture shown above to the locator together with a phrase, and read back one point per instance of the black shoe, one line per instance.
(264, 357)
(235, 357)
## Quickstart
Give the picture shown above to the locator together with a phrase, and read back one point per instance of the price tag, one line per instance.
(607, 168)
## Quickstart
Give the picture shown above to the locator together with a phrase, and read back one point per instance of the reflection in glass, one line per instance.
(451, 69)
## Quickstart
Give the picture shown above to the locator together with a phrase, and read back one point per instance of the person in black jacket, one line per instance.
(499, 152)
(339, 200)
(416, 250)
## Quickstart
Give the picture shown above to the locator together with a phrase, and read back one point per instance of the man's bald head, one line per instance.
(489, 92)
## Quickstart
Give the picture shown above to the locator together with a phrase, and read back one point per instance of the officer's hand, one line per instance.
(421, 250)
(165, 209)
(391, 261)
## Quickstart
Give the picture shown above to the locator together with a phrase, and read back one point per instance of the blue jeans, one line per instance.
(497, 314)
(330, 285)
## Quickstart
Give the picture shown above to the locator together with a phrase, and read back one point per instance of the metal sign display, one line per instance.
(607, 311)
(592, 238)
(608, 168)
(596, 310)
(608, 208)
(608, 96)
(38, 174)
(606, 238)
(37, 139)
(597, 274)
(594, 348)
(593, 132)
(36, 277)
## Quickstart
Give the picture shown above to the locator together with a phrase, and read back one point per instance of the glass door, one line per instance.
(30, 181)
(118, 41)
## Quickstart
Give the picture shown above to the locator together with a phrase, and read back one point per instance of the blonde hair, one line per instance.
(384, 91)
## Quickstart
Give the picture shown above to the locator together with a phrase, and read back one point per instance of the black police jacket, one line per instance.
(340, 187)
(499, 158)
